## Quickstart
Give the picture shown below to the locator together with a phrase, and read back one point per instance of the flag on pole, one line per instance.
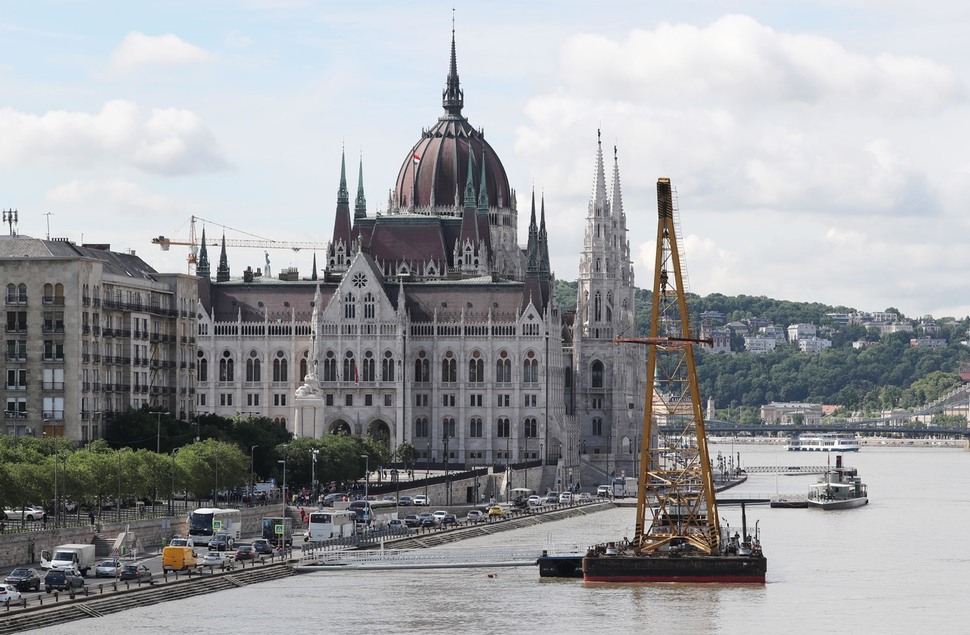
(416, 157)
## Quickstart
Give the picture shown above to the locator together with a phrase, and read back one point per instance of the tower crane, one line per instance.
(258, 242)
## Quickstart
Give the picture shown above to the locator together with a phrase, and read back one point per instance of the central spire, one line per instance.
(452, 97)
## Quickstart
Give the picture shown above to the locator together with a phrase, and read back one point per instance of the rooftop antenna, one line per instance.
(48, 215)
(10, 218)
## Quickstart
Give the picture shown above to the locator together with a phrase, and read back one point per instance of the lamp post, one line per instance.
(171, 498)
(283, 461)
(118, 502)
(158, 430)
(57, 502)
(313, 473)
(508, 465)
(366, 473)
(447, 475)
(252, 475)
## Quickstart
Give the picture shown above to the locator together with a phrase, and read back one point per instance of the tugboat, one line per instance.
(838, 488)
(685, 541)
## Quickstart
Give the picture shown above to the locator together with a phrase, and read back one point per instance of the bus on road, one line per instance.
(374, 513)
(206, 521)
(326, 525)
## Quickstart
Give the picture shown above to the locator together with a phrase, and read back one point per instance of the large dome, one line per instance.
(433, 174)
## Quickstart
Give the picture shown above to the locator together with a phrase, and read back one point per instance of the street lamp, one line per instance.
(313, 473)
(366, 473)
(283, 461)
(447, 475)
(171, 498)
(252, 475)
(158, 430)
(118, 502)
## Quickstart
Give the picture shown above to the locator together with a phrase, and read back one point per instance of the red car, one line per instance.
(245, 552)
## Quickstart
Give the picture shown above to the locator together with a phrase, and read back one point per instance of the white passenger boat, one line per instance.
(838, 488)
(824, 442)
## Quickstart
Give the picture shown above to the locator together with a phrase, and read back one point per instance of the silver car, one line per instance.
(107, 569)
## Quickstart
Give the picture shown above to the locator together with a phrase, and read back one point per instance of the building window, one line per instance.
(388, 399)
(504, 428)
(53, 351)
(350, 367)
(350, 306)
(530, 368)
(504, 400)
(448, 400)
(368, 399)
(449, 369)
(421, 399)
(475, 427)
(349, 400)
(252, 367)
(252, 399)
(203, 368)
(369, 304)
(476, 368)
(303, 364)
(531, 428)
(596, 403)
(279, 367)
(421, 427)
(387, 367)
(16, 379)
(225, 399)
(279, 399)
(201, 398)
(226, 372)
(503, 368)
(597, 428)
(54, 379)
(422, 368)
(596, 370)
(475, 400)
(330, 367)
(328, 399)
(448, 427)
(370, 366)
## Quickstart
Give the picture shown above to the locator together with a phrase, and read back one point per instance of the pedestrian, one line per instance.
(43, 521)
(91, 516)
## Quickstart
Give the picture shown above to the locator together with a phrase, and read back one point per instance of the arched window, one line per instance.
(476, 368)
(475, 427)
(597, 374)
(226, 367)
(370, 366)
(597, 307)
(303, 364)
(449, 368)
(350, 367)
(369, 304)
(503, 368)
(530, 368)
(448, 427)
(203, 368)
(387, 367)
(350, 306)
(279, 366)
(422, 368)
(421, 427)
(330, 367)
(504, 428)
(531, 427)
(252, 367)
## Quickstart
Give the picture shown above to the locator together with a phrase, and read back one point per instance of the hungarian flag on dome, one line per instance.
(416, 157)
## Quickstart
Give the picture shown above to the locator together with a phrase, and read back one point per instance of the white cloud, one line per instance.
(138, 50)
(167, 141)
(109, 196)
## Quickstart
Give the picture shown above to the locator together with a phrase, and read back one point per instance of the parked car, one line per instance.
(603, 490)
(213, 559)
(245, 552)
(30, 513)
(62, 580)
(396, 525)
(439, 515)
(220, 541)
(421, 501)
(535, 500)
(427, 519)
(135, 573)
(412, 520)
(9, 593)
(475, 516)
(179, 541)
(389, 497)
(585, 497)
(552, 498)
(24, 579)
(404, 501)
(263, 546)
(107, 569)
(329, 499)
(496, 511)
(565, 498)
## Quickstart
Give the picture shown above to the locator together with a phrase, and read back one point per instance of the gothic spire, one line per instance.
(360, 207)
(615, 196)
(313, 276)
(532, 251)
(343, 196)
(599, 202)
(543, 242)
(341, 222)
(202, 268)
(470, 182)
(482, 189)
(222, 274)
(452, 97)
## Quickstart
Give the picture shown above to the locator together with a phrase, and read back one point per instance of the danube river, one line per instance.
(898, 565)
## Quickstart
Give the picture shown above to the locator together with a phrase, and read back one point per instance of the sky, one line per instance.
(818, 148)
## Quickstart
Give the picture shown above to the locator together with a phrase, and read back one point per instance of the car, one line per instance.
(9, 593)
(439, 515)
(216, 559)
(585, 497)
(397, 525)
(565, 498)
(245, 552)
(24, 579)
(329, 499)
(496, 511)
(535, 500)
(427, 519)
(263, 546)
(552, 498)
(62, 580)
(603, 490)
(475, 516)
(405, 501)
(107, 569)
(449, 519)
(29, 513)
(389, 497)
(179, 541)
(220, 541)
(135, 573)
(421, 501)
(412, 520)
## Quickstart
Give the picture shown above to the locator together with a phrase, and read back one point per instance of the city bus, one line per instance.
(325, 525)
(374, 513)
(206, 521)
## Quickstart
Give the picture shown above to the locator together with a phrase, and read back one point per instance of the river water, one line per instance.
(898, 565)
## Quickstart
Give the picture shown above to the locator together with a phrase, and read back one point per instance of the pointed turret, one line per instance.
(544, 268)
(599, 203)
(202, 269)
(452, 98)
(313, 274)
(338, 252)
(484, 222)
(532, 250)
(360, 205)
(616, 199)
(222, 274)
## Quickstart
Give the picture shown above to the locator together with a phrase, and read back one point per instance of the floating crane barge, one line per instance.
(684, 541)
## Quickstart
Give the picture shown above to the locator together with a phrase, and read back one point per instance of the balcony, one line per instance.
(53, 328)
(14, 414)
(17, 356)
(54, 415)
(55, 300)
(86, 386)
(16, 328)
(53, 385)
(53, 358)
(20, 300)
(86, 301)
(86, 329)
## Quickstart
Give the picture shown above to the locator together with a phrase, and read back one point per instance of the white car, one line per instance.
(421, 499)
(476, 516)
(535, 500)
(9, 593)
(29, 513)
(565, 498)
(439, 515)
(216, 559)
